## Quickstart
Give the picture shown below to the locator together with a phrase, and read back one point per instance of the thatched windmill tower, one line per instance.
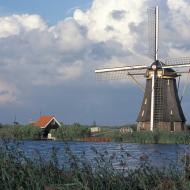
(161, 107)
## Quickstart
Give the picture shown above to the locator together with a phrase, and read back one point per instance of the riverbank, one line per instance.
(25, 132)
(77, 132)
(156, 137)
(18, 171)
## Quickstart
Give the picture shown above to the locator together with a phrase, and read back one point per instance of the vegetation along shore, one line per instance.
(19, 171)
(78, 132)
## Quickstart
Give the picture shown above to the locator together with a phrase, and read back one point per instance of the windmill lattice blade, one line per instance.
(119, 75)
(151, 31)
(177, 62)
(116, 75)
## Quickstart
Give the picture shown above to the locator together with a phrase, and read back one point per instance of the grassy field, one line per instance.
(77, 131)
(18, 172)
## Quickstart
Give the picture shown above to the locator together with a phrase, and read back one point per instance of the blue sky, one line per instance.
(50, 49)
(51, 11)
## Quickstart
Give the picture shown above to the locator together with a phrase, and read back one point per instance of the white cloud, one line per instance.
(15, 24)
(180, 21)
(69, 36)
(39, 55)
(33, 53)
(181, 7)
(111, 20)
(70, 72)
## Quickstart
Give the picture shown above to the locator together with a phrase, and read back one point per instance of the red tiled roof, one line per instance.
(43, 121)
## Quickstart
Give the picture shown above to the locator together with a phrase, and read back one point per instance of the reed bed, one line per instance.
(78, 132)
(71, 132)
(19, 132)
(17, 172)
(157, 137)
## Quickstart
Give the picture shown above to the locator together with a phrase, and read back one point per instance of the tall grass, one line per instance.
(157, 137)
(147, 137)
(19, 172)
(77, 131)
(71, 132)
(19, 132)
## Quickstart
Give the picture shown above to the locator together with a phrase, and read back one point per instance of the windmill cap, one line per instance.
(157, 66)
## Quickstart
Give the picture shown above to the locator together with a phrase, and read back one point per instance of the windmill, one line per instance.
(161, 106)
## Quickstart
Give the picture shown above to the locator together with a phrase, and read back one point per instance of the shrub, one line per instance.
(19, 132)
(71, 132)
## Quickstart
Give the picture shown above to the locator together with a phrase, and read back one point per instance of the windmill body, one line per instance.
(161, 107)
(168, 114)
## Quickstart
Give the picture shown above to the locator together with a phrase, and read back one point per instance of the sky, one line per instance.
(50, 49)
(50, 11)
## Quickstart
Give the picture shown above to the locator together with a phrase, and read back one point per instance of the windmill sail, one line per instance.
(119, 73)
(179, 62)
(153, 32)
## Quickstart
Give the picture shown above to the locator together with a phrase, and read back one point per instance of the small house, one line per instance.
(95, 129)
(47, 123)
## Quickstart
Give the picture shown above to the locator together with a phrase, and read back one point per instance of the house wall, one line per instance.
(46, 131)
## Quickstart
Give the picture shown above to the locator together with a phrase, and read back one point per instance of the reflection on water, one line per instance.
(133, 154)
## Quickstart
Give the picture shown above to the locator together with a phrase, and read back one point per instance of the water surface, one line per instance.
(132, 154)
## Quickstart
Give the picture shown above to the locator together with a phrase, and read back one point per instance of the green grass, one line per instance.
(155, 137)
(19, 132)
(71, 132)
(147, 137)
(77, 131)
(18, 172)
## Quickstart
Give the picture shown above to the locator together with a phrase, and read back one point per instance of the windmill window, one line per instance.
(168, 82)
(171, 112)
(142, 113)
(145, 102)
